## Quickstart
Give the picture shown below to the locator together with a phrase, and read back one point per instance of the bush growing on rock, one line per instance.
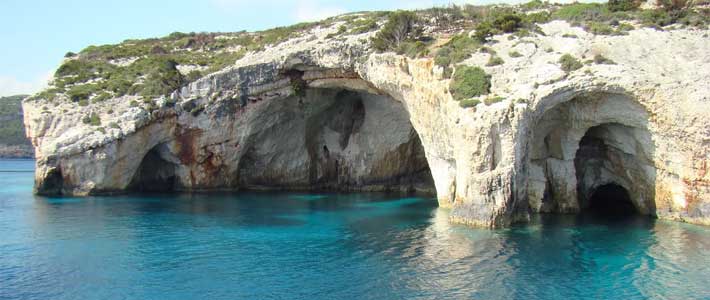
(413, 49)
(568, 63)
(399, 28)
(600, 28)
(162, 79)
(623, 5)
(507, 22)
(469, 103)
(468, 82)
(600, 59)
(92, 119)
(484, 30)
(455, 51)
(494, 60)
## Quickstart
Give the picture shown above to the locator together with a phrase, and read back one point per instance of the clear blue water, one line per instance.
(328, 246)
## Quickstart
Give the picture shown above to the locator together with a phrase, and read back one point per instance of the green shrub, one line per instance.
(656, 17)
(494, 60)
(133, 103)
(81, 92)
(413, 49)
(491, 100)
(83, 102)
(539, 17)
(625, 27)
(456, 50)
(569, 35)
(114, 125)
(465, 103)
(162, 79)
(600, 59)
(508, 22)
(363, 25)
(102, 96)
(582, 12)
(623, 5)
(92, 119)
(399, 28)
(568, 63)
(532, 5)
(484, 30)
(341, 29)
(468, 82)
(514, 54)
(599, 28)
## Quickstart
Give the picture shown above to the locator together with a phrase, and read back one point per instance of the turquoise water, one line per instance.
(326, 246)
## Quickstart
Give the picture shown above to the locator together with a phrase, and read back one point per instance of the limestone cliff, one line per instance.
(317, 112)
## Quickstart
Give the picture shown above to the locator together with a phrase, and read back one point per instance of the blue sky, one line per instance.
(37, 33)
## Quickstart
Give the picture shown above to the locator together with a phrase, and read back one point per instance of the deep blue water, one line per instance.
(326, 246)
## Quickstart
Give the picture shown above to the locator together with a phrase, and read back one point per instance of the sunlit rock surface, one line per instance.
(318, 113)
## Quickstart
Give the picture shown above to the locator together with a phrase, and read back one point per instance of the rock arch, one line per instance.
(315, 130)
(592, 140)
(156, 172)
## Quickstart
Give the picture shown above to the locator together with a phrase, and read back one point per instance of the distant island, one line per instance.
(13, 142)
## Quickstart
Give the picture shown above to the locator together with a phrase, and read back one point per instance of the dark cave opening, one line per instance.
(336, 140)
(611, 200)
(155, 174)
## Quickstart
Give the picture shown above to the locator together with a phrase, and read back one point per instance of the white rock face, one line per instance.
(641, 123)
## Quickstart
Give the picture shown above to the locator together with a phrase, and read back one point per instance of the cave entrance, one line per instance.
(155, 173)
(611, 200)
(609, 168)
(335, 139)
(593, 152)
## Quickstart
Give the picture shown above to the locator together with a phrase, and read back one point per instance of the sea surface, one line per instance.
(326, 246)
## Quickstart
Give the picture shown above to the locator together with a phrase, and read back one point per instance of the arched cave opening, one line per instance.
(335, 139)
(593, 153)
(53, 183)
(154, 174)
(611, 200)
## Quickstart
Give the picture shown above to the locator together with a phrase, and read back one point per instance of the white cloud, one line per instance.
(12, 86)
(313, 11)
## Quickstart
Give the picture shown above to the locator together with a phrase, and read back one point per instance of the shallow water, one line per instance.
(326, 246)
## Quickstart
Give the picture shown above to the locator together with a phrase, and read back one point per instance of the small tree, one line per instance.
(399, 28)
(507, 22)
(484, 30)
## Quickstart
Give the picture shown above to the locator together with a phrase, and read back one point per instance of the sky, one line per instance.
(37, 33)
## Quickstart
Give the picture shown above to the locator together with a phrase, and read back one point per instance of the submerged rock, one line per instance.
(317, 113)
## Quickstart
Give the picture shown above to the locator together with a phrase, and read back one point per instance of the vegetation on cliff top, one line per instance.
(411, 33)
(156, 67)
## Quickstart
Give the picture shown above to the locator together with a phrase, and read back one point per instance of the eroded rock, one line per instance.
(314, 113)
